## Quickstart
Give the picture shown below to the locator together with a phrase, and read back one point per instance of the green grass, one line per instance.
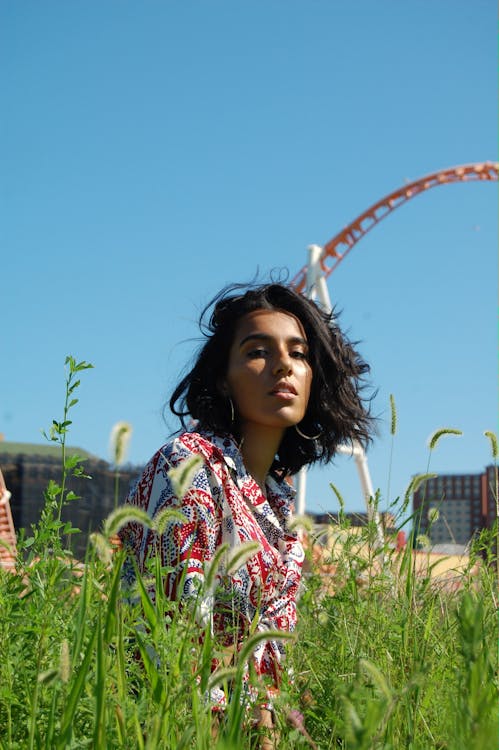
(387, 661)
(392, 663)
(401, 663)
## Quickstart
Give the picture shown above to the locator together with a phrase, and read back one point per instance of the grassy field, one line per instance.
(382, 658)
(388, 661)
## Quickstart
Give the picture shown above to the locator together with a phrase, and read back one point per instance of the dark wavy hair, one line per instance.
(336, 411)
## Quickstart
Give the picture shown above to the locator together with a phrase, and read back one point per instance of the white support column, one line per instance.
(301, 491)
(313, 275)
(316, 287)
(360, 458)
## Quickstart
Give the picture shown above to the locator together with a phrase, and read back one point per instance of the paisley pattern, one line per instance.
(223, 505)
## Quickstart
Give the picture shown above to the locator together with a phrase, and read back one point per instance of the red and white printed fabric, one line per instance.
(223, 505)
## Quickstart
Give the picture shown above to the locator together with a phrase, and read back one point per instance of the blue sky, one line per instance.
(153, 152)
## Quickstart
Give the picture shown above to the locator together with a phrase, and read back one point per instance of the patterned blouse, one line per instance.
(223, 505)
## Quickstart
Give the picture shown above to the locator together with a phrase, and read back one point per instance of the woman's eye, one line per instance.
(257, 353)
(299, 355)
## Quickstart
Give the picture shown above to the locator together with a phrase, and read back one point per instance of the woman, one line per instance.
(276, 386)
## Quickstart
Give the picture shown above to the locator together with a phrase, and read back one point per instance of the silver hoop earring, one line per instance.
(232, 413)
(307, 437)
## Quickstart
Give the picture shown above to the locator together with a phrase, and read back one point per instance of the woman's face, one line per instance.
(269, 375)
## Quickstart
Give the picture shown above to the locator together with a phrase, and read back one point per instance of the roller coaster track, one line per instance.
(338, 248)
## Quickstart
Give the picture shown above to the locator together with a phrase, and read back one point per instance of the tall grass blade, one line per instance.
(100, 691)
(158, 693)
(74, 694)
(149, 610)
(112, 604)
(121, 676)
(81, 617)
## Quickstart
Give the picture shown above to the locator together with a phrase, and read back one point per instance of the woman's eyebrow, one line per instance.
(265, 337)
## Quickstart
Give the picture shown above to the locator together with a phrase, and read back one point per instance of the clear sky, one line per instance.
(152, 152)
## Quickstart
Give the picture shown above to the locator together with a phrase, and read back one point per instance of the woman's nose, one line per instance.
(283, 363)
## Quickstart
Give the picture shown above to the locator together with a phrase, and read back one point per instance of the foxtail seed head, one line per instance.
(435, 436)
(119, 441)
(393, 411)
(493, 442)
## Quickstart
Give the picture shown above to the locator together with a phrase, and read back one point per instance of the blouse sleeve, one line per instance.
(184, 547)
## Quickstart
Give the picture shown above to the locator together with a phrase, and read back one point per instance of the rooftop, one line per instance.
(41, 449)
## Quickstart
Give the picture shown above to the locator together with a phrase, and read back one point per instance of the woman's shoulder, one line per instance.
(156, 476)
(187, 444)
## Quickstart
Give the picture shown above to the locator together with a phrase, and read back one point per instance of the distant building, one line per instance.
(27, 470)
(451, 508)
(326, 527)
(355, 518)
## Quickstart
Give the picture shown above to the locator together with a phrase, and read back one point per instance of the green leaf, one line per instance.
(158, 692)
(110, 623)
(73, 387)
(79, 471)
(83, 366)
(53, 490)
(100, 692)
(72, 461)
(68, 528)
(149, 610)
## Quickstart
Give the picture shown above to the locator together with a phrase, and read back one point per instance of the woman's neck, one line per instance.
(259, 448)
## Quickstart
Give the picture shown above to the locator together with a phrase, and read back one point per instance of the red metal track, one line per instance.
(338, 248)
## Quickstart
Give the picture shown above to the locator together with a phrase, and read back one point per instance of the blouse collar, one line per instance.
(282, 492)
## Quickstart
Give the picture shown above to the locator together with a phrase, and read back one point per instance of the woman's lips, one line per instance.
(284, 395)
(284, 386)
(287, 393)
